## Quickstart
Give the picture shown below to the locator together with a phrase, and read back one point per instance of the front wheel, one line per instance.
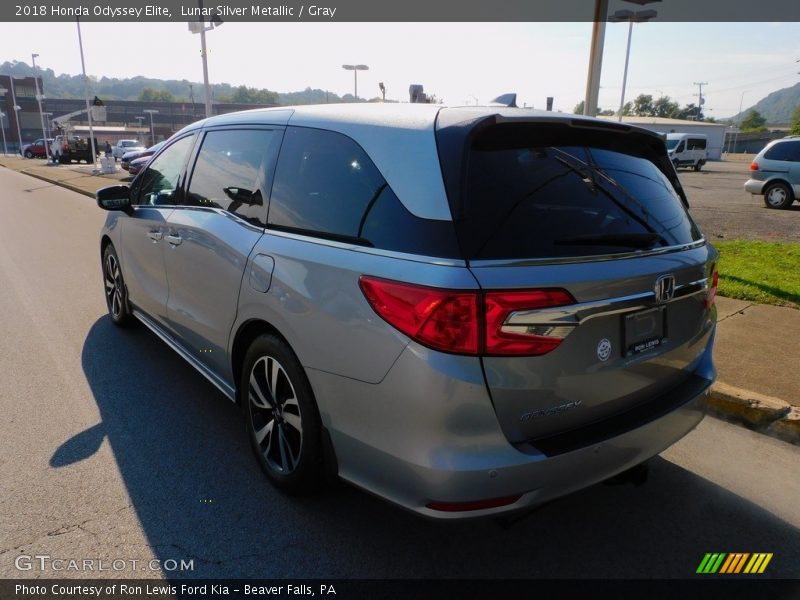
(778, 195)
(281, 416)
(116, 294)
(28, 154)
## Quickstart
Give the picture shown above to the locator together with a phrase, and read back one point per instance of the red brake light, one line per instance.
(499, 305)
(442, 319)
(712, 290)
(475, 505)
(754, 166)
(451, 320)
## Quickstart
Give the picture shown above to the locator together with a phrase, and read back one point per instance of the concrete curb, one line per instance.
(765, 414)
(63, 184)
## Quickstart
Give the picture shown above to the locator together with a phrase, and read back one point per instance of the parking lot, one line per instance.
(724, 210)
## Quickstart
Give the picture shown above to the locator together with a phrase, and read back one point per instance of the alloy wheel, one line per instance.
(275, 415)
(113, 282)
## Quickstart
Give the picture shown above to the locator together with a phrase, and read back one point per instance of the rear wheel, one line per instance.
(698, 165)
(116, 295)
(281, 416)
(778, 195)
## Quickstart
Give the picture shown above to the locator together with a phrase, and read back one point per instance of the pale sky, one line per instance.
(459, 62)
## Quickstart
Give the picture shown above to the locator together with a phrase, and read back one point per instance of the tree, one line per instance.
(248, 95)
(795, 130)
(753, 122)
(578, 110)
(665, 107)
(151, 95)
(643, 106)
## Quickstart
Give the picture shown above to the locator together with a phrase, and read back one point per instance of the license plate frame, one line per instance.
(644, 330)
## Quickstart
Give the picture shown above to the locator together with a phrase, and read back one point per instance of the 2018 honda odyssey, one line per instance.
(465, 311)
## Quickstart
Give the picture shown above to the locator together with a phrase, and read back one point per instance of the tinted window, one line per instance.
(390, 226)
(326, 185)
(231, 172)
(323, 183)
(158, 184)
(523, 200)
(784, 151)
(696, 144)
(671, 144)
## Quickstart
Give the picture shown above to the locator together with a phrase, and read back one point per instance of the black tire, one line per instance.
(114, 288)
(698, 166)
(28, 154)
(283, 423)
(778, 195)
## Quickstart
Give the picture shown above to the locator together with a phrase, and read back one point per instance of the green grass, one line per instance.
(764, 272)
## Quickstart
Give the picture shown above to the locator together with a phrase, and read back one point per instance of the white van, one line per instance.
(687, 149)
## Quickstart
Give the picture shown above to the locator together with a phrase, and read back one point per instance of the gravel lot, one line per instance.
(724, 210)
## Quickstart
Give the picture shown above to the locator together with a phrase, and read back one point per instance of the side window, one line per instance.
(232, 170)
(696, 144)
(784, 151)
(158, 184)
(324, 182)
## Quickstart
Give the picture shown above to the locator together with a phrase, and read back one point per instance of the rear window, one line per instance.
(527, 196)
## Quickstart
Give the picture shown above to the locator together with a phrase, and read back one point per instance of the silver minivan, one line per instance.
(465, 311)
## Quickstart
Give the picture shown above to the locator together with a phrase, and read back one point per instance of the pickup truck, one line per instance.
(124, 146)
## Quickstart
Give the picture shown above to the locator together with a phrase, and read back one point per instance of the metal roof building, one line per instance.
(714, 131)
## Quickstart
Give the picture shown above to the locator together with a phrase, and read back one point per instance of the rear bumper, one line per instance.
(754, 186)
(428, 433)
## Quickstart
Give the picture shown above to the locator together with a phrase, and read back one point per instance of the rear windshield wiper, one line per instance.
(629, 240)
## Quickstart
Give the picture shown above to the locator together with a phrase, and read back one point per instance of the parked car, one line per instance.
(124, 146)
(137, 164)
(128, 157)
(35, 150)
(775, 173)
(687, 149)
(465, 311)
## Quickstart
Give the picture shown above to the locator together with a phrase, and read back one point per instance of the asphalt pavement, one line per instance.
(114, 448)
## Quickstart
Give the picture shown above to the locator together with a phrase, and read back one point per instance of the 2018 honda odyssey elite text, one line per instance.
(465, 311)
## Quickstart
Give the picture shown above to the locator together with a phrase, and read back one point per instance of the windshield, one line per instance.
(671, 144)
(524, 200)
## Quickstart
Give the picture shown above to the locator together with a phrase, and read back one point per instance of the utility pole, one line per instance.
(700, 100)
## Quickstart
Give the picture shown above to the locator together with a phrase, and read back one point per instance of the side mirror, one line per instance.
(115, 197)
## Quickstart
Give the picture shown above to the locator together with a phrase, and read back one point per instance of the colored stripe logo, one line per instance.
(734, 563)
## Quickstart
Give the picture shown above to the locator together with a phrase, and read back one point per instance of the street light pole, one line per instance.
(17, 108)
(39, 98)
(738, 122)
(640, 16)
(200, 27)
(86, 94)
(355, 69)
(595, 58)
(3, 127)
(151, 112)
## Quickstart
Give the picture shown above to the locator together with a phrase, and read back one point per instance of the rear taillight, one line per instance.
(754, 166)
(442, 319)
(712, 289)
(500, 305)
(452, 320)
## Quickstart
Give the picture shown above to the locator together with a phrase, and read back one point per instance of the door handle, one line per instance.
(175, 240)
(155, 235)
